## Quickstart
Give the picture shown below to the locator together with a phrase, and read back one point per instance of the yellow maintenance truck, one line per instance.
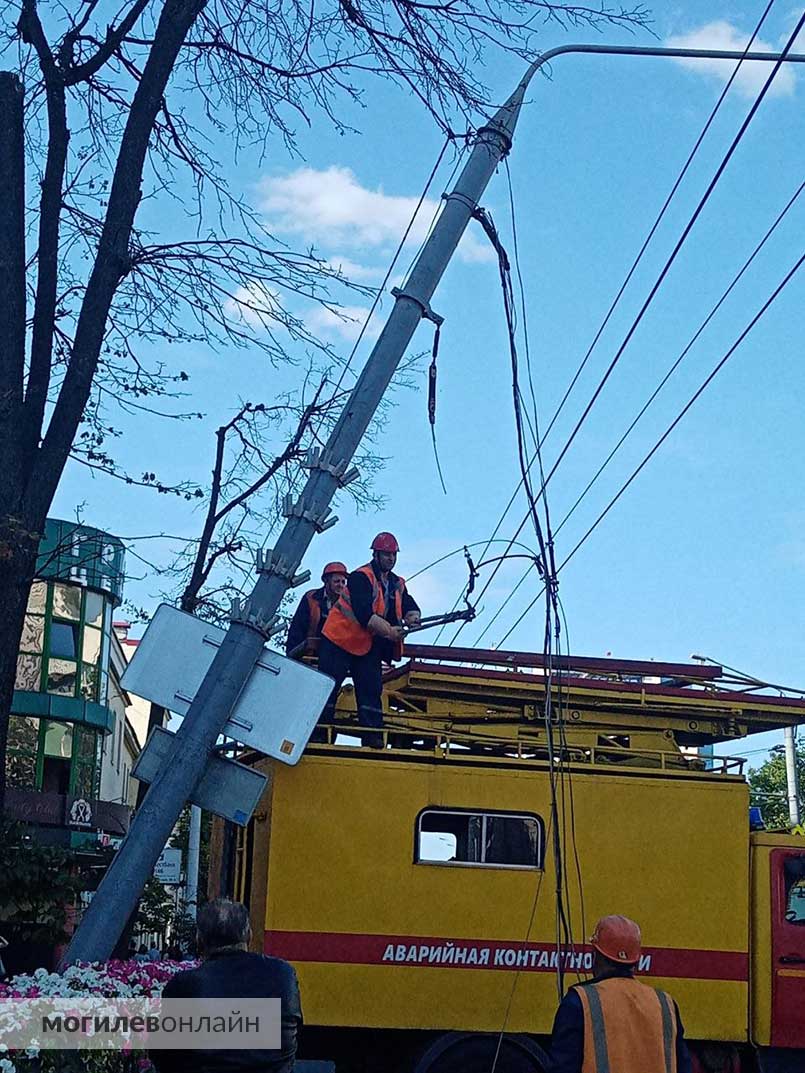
(414, 887)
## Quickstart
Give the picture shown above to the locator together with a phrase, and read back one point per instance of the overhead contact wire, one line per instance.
(702, 202)
(736, 279)
(659, 219)
(769, 301)
(736, 141)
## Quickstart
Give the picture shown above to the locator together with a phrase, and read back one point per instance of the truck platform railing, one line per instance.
(404, 740)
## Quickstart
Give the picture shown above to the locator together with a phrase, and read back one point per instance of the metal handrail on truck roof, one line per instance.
(401, 741)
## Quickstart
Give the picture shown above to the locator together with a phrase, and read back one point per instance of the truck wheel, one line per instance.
(465, 1052)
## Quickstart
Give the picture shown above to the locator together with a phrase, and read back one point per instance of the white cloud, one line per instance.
(255, 305)
(346, 322)
(752, 75)
(791, 20)
(331, 208)
(356, 273)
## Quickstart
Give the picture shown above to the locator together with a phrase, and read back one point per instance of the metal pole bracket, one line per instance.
(268, 562)
(242, 611)
(318, 459)
(456, 195)
(427, 312)
(299, 509)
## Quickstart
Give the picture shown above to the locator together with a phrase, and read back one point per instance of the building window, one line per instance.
(479, 839)
(62, 649)
(22, 752)
(57, 758)
(63, 640)
(57, 753)
(67, 601)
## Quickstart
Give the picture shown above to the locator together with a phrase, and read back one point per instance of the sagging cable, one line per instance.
(432, 375)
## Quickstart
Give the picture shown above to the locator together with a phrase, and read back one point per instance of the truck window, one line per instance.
(480, 839)
(795, 890)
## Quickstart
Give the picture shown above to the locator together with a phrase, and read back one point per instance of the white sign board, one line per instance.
(226, 788)
(277, 709)
(168, 868)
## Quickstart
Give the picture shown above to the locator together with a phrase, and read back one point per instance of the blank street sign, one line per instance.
(227, 788)
(277, 709)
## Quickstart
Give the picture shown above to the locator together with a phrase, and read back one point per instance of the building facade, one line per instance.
(67, 701)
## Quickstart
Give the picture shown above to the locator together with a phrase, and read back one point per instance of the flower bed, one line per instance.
(112, 979)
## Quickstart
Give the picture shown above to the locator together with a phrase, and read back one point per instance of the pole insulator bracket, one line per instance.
(299, 509)
(242, 611)
(424, 306)
(494, 130)
(268, 562)
(318, 459)
(456, 195)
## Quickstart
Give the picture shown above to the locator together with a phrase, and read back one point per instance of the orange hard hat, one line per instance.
(385, 542)
(617, 938)
(334, 568)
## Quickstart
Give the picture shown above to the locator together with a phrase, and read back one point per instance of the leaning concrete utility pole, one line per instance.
(791, 780)
(251, 621)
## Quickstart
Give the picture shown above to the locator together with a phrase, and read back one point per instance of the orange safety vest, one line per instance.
(314, 611)
(310, 647)
(629, 1027)
(344, 630)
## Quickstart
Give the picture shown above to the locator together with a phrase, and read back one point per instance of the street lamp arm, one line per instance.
(506, 117)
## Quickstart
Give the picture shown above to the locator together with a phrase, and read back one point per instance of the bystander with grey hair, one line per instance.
(230, 971)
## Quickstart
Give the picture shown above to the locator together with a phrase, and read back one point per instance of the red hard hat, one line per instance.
(617, 938)
(385, 542)
(334, 568)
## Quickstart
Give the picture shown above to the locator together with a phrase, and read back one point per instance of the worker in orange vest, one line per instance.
(364, 630)
(311, 614)
(614, 1023)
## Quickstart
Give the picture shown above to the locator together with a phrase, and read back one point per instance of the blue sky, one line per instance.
(705, 553)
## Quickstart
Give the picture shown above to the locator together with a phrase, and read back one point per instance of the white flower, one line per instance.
(7, 1066)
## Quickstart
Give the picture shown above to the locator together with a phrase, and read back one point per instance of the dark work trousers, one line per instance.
(367, 677)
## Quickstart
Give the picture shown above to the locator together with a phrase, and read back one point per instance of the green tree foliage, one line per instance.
(156, 908)
(768, 785)
(38, 885)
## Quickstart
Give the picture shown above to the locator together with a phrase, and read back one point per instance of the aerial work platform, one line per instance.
(632, 713)
(699, 702)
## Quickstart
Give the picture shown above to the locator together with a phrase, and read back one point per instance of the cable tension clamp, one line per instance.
(268, 562)
(299, 509)
(241, 611)
(318, 459)
(424, 306)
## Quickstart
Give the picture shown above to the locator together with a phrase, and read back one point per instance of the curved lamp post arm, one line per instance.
(506, 118)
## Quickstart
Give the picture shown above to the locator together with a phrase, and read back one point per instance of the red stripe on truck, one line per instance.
(407, 951)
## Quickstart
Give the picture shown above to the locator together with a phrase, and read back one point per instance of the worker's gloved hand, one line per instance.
(413, 618)
(382, 628)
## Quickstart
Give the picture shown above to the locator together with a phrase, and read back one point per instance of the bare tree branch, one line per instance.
(112, 261)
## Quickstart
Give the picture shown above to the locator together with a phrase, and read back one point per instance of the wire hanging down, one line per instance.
(448, 141)
(432, 403)
(547, 568)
